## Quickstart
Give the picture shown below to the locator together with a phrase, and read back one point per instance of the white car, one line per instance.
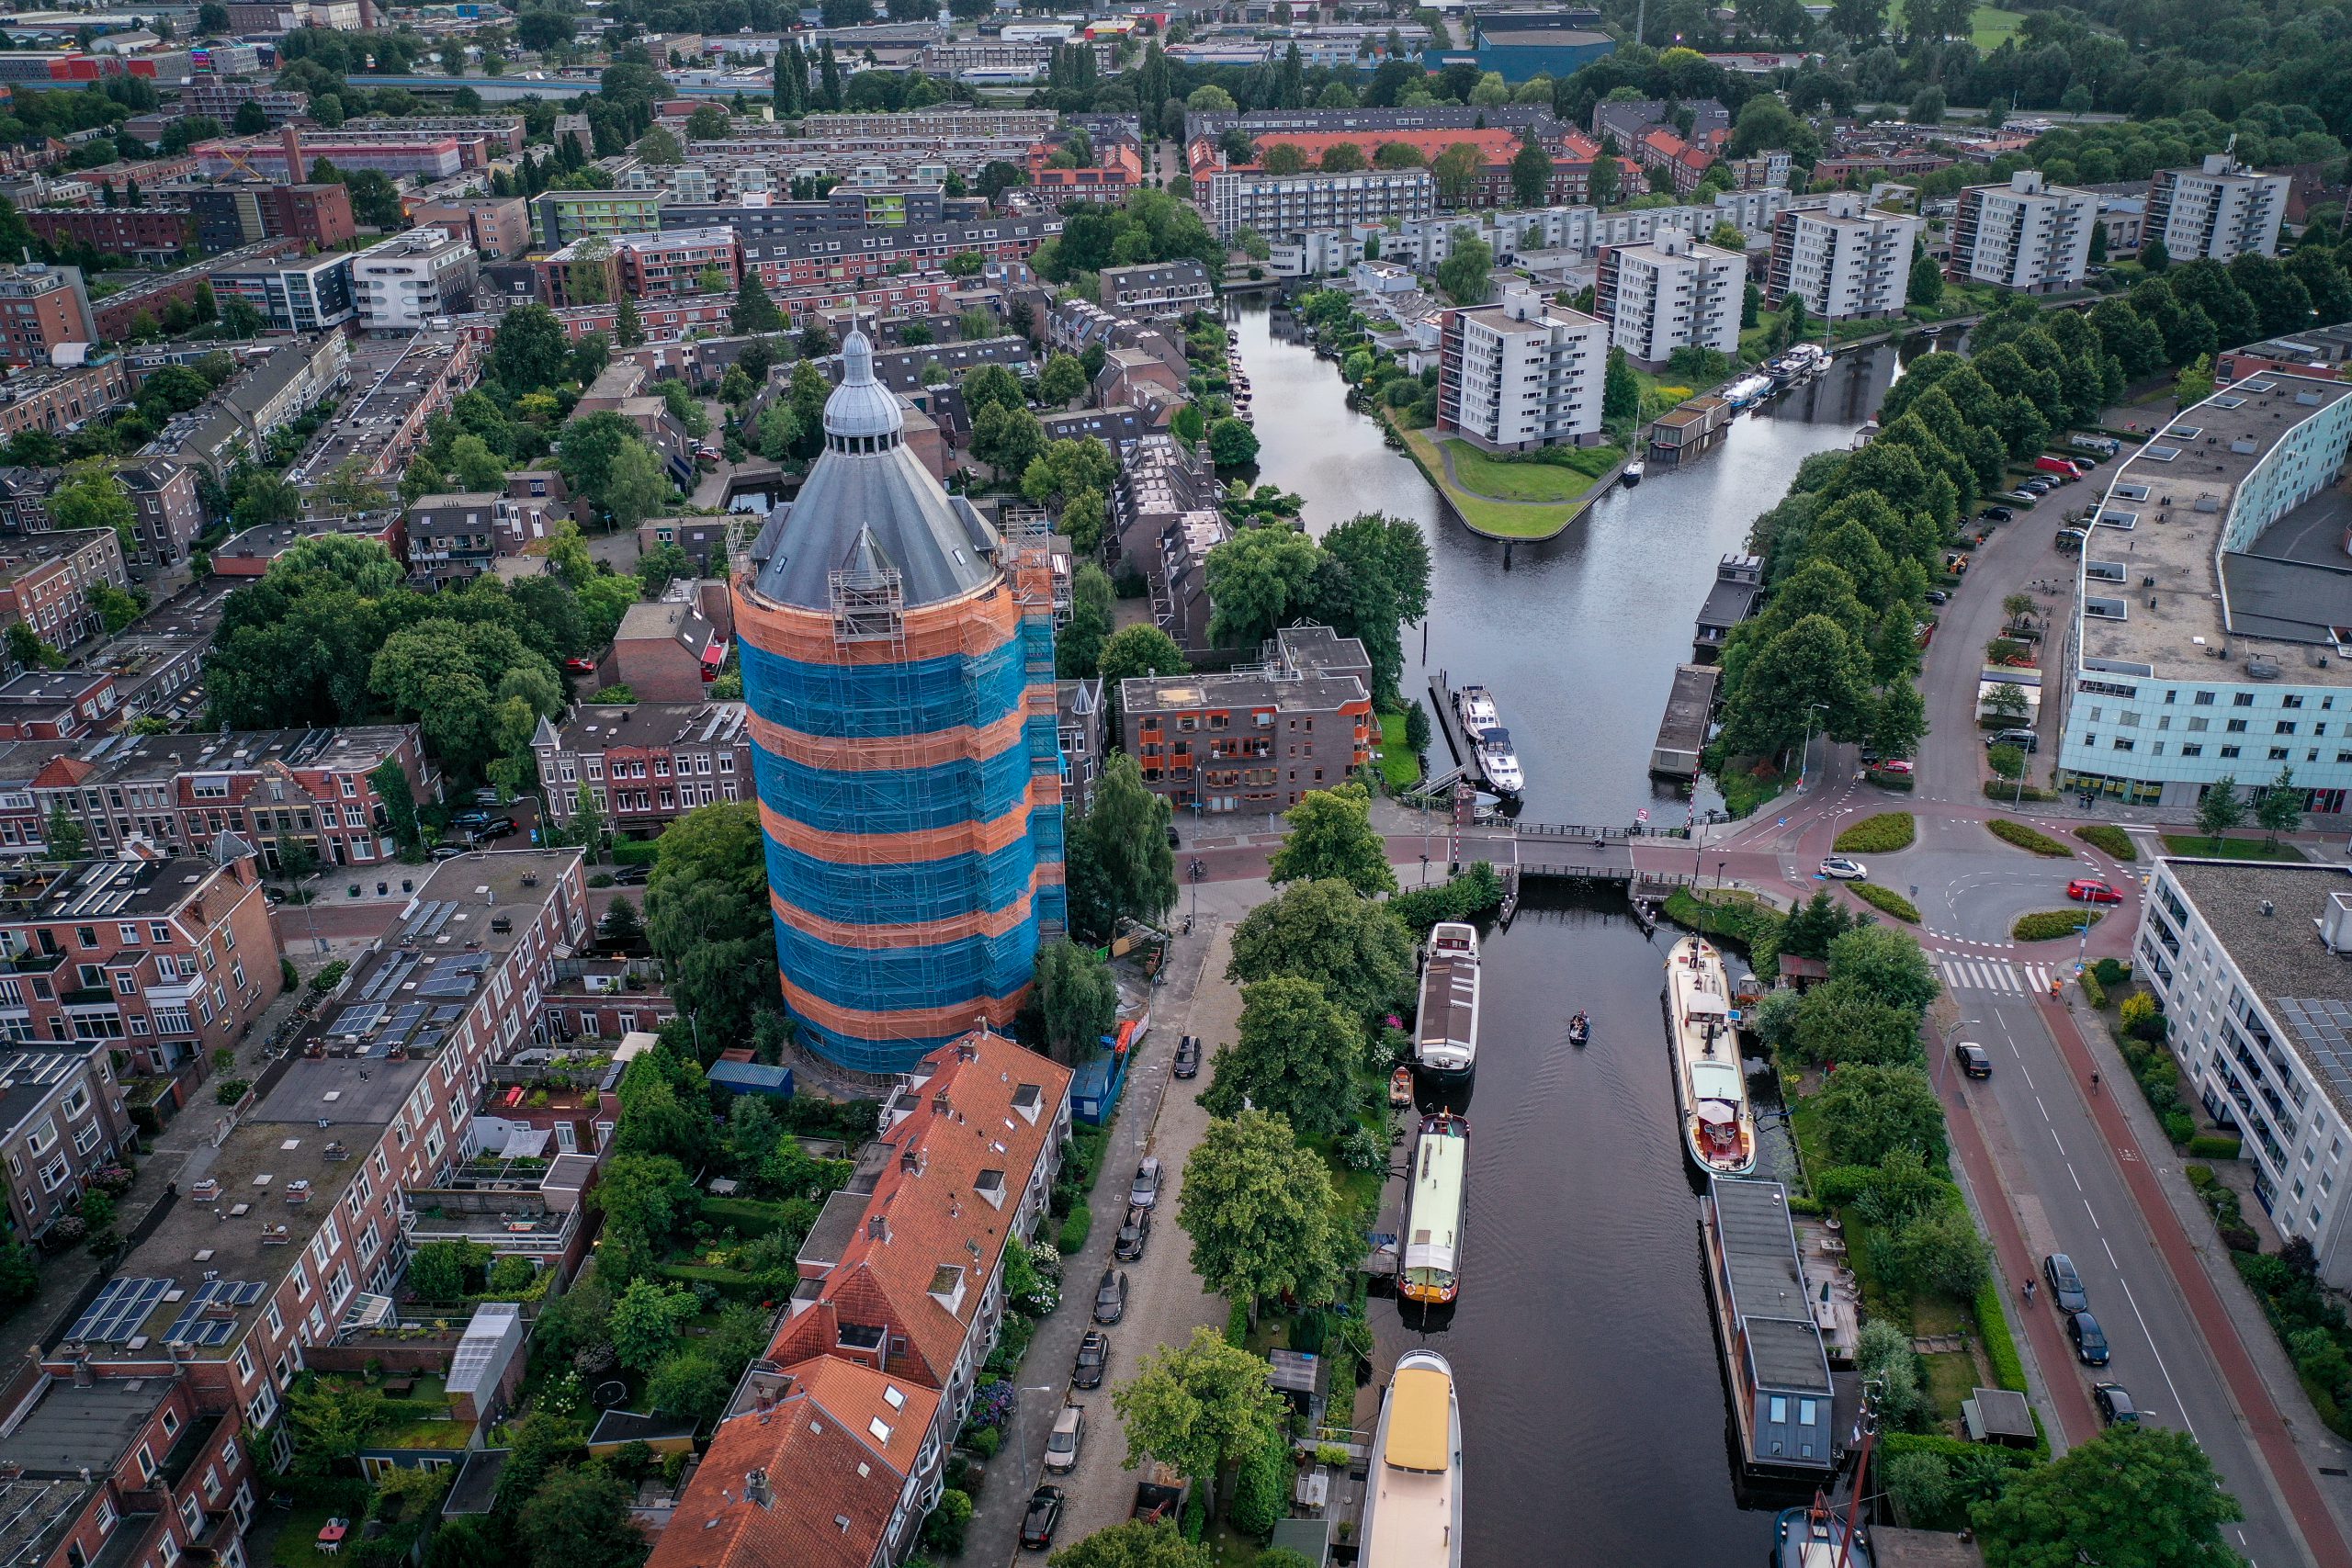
(1837, 868)
(1061, 1446)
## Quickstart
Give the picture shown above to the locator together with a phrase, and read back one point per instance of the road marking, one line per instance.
(2093, 1214)
(2070, 1171)
(2159, 1355)
(2045, 1112)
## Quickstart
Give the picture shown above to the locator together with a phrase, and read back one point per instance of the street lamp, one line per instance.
(1194, 873)
(1949, 1030)
(1804, 753)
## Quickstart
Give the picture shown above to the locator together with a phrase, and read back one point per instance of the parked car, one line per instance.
(449, 851)
(2115, 1406)
(2025, 740)
(1188, 1056)
(2091, 890)
(2090, 1340)
(1094, 1360)
(1837, 868)
(1133, 1235)
(2065, 467)
(1173, 841)
(2000, 514)
(2067, 1293)
(631, 876)
(486, 796)
(473, 816)
(1111, 1297)
(496, 828)
(581, 666)
(2069, 540)
(1042, 1518)
(275, 894)
(1143, 1192)
(1895, 765)
(1973, 1059)
(1937, 596)
(1061, 1443)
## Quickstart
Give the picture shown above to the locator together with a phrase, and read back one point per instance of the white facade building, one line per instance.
(1521, 375)
(1283, 204)
(1670, 293)
(2027, 235)
(405, 283)
(1843, 258)
(2216, 211)
(2252, 962)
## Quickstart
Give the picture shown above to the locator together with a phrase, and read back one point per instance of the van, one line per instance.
(2065, 467)
(2105, 446)
(2025, 740)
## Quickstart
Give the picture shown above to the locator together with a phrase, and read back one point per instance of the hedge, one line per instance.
(2025, 838)
(1880, 835)
(1736, 920)
(2215, 1146)
(2093, 992)
(1886, 900)
(732, 1283)
(748, 1218)
(635, 852)
(1903, 784)
(2007, 790)
(1074, 1231)
(2112, 840)
(2047, 925)
(2000, 1348)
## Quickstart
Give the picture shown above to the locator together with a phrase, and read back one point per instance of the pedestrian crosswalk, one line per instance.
(1995, 974)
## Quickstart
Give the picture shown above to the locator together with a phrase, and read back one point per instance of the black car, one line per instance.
(1094, 1360)
(1133, 1235)
(1937, 596)
(1111, 1297)
(1173, 841)
(2067, 1293)
(1974, 1060)
(1042, 1518)
(2115, 1406)
(2091, 1341)
(472, 818)
(1188, 1056)
(2000, 514)
(631, 876)
(496, 828)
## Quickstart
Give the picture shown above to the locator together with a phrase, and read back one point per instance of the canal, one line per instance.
(1596, 1423)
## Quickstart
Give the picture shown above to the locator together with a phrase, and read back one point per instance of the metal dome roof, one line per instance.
(861, 405)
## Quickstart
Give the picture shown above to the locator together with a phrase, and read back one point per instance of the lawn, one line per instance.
(297, 1545)
(1397, 763)
(1504, 519)
(1501, 481)
(1989, 27)
(2200, 845)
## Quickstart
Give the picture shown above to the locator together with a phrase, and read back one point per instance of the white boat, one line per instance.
(1806, 358)
(1436, 1199)
(1632, 474)
(1710, 1088)
(1498, 761)
(1446, 1029)
(1748, 392)
(1474, 706)
(1412, 1500)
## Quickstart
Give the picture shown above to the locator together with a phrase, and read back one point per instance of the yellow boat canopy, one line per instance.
(1419, 1420)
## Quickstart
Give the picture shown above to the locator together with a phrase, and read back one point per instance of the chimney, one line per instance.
(291, 139)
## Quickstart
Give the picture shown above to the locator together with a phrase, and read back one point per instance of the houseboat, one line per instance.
(1412, 1499)
(1817, 1535)
(1445, 1030)
(1748, 391)
(1710, 1088)
(1474, 706)
(1437, 1198)
(1780, 1395)
(1499, 761)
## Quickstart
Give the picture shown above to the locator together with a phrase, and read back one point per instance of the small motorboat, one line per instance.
(1632, 474)
(1579, 1030)
(1400, 1086)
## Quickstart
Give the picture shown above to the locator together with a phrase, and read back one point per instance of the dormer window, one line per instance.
(1028, 1102)
(990, 1185)
(948, 1286)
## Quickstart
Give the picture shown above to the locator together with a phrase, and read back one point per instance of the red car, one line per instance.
(1894, 765)
(2090, 890)
(581, 666)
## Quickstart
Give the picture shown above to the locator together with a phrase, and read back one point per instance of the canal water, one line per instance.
(1597, 1426)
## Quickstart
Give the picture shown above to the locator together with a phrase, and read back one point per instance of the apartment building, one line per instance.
(1238, 198)
(297, 294)
(170, 512)
(666, 653)
(384, 425)
(420, 155)
(867, 257)
(1672, 293)
(62, 1118)
(568, 215)
(1521, 374)
(1844, 258)
(46, 580)
(1155, 288)
(843, 1426)
(2220, 209)
(674, 262)
(1079, 715)
(148, 235)
(401, 285)
(1250, 741)
(644, 764)
(2252, 963)
(301, 1207)
(1165, 509)
(127, 1471)
(54, 398)
(499, 226)
(42, 308)
(2027, 235)
(455, 537)
(163, 959)
(2209, 637)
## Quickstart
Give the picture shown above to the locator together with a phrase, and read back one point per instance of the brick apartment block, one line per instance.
(46, 580)
(54, 399)
(645, 762)
(62, 1117)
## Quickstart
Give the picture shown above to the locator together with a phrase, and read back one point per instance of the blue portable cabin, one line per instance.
(751, 1077)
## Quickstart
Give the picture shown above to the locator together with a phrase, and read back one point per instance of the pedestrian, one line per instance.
(2094, 1080)
(2029, 1293)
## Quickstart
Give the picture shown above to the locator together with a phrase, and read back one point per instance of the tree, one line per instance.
(439, 1269)
(754, 310)
(638, 486)
(1122, 842)
(2220, 809)
(1326, 931)
(390, 783)
(332, 1419)
(1295, 1053)
(1256, 579)
(646, 1194)
(1840, 1024)
(63, 836)
(1283, 158)
(1468, 270)
(1232, 444)
(1260, 1208)
(96, 499)
(528, 350)
(1887, 964)
(2195, 383)
(1331, 836)
(1620, 389)
(1077, 998)
(1868, 1112)
(1078, 650)
(580, 1518)
(1531, 173)
(647, 1318)
(1456, 172)
(1342, 158)
(2278, 806)
(375, 199)
(1940, 1251)
(1198, 1406)
(1132, 1543)
(1062, 381)
(1006, 438)
(2146, 1496)
(1900, 721)
(2008, 702)
(1926, 281)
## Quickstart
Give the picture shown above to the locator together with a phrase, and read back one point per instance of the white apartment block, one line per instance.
(1670, 293)
(1284, 204)
(1521, 375)
(1843, 258)
(1753, 211)
(2217, 211)
(2027, 235)
(2252, 962)
(401, 285)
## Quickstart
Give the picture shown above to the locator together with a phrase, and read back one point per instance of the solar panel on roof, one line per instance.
(358, 1019)
(122, 1305)
(2324, 1026)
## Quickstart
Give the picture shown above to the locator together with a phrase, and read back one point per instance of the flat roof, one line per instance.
(1769, 1294)
(1285, 693)
(2160, 528)
(74, 1428)
(2308, 993)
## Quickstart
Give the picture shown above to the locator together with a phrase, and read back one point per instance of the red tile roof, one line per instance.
(836, 1451)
